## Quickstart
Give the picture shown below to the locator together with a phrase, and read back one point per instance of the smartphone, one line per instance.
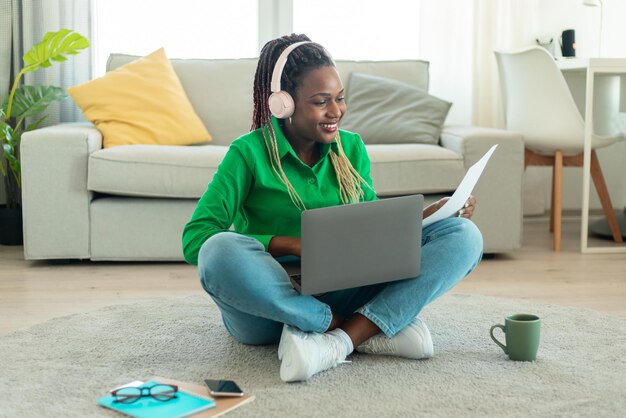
(222, 387)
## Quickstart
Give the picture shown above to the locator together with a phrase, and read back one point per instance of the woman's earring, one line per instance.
(290, 120)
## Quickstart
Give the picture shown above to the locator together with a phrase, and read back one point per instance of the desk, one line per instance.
(609, 98)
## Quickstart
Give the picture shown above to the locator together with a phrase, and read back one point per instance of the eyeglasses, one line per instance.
(159, 392)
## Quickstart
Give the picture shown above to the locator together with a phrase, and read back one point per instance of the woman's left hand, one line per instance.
(468, 209)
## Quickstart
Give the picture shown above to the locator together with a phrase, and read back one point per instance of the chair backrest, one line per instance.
(537, 102)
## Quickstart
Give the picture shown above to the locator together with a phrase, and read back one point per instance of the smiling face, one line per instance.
(319, 106)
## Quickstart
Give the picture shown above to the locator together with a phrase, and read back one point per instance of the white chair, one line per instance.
(539, 105)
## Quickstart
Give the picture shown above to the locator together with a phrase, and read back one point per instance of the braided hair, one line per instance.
(300, 62)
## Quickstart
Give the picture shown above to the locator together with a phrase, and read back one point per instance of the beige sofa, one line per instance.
(131, 202)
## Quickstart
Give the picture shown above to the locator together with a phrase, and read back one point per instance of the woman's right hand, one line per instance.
(281, 245)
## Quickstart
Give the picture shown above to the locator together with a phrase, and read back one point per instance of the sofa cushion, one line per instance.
(154, 170)
(142, 102)
(385, 111)
(399, 169)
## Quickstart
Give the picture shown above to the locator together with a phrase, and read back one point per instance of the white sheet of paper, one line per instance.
(463, 192)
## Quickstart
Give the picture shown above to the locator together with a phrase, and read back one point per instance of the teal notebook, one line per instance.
(183, 405)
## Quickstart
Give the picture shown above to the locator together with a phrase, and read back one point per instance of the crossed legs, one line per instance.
(256, 298)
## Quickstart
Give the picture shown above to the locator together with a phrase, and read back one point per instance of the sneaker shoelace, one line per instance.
(329, 358)
(381, 344)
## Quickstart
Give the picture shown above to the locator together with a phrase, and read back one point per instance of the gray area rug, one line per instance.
(60, 367)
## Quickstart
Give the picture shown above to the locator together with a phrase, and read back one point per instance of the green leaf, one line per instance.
(9, 155)
(32, 100)
(35, 125)
(54, 46)
(8, 151)
(6, 134)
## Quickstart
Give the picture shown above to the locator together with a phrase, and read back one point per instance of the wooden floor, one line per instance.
(32, 292)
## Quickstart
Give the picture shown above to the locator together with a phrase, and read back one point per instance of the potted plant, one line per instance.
(21, 112)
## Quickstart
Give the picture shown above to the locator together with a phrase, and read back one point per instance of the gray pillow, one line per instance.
(385, 111)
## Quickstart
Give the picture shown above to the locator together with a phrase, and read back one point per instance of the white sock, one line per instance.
(344, 338)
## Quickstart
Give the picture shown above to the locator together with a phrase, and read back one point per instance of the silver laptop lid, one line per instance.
(361, 244)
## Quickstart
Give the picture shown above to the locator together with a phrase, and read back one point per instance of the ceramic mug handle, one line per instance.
(502, 346)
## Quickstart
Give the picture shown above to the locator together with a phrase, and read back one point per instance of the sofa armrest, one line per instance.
(55, 199)
(499, 190)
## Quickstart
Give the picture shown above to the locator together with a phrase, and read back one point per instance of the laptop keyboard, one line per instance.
(296, 278)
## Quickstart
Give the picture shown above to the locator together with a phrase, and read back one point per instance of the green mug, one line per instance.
(522, 336)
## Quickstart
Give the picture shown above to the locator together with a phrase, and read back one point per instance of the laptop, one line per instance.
(358, 245)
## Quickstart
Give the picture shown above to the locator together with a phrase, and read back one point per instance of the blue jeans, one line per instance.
(255, 296)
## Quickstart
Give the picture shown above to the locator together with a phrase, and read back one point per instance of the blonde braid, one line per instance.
(350, 181)
(269, 135)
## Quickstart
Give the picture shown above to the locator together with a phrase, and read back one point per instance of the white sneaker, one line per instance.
(414, 342)
(304, 354)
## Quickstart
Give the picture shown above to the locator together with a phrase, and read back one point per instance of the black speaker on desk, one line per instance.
(568, 43)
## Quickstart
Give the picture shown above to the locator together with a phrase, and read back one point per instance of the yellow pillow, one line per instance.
(141, 102)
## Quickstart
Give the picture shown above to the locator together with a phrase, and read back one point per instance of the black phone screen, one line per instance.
(226, 387)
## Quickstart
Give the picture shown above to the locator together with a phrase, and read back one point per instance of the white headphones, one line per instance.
(281, 103)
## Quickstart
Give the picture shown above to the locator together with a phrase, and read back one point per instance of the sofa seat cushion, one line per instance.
(154, 170)
(185, 171)
(414, 168)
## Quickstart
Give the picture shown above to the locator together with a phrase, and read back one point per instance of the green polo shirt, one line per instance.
(246, 193)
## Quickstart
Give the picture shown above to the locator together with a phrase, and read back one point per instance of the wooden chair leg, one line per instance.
(605, 199)
(552, 199)
(558, 197)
